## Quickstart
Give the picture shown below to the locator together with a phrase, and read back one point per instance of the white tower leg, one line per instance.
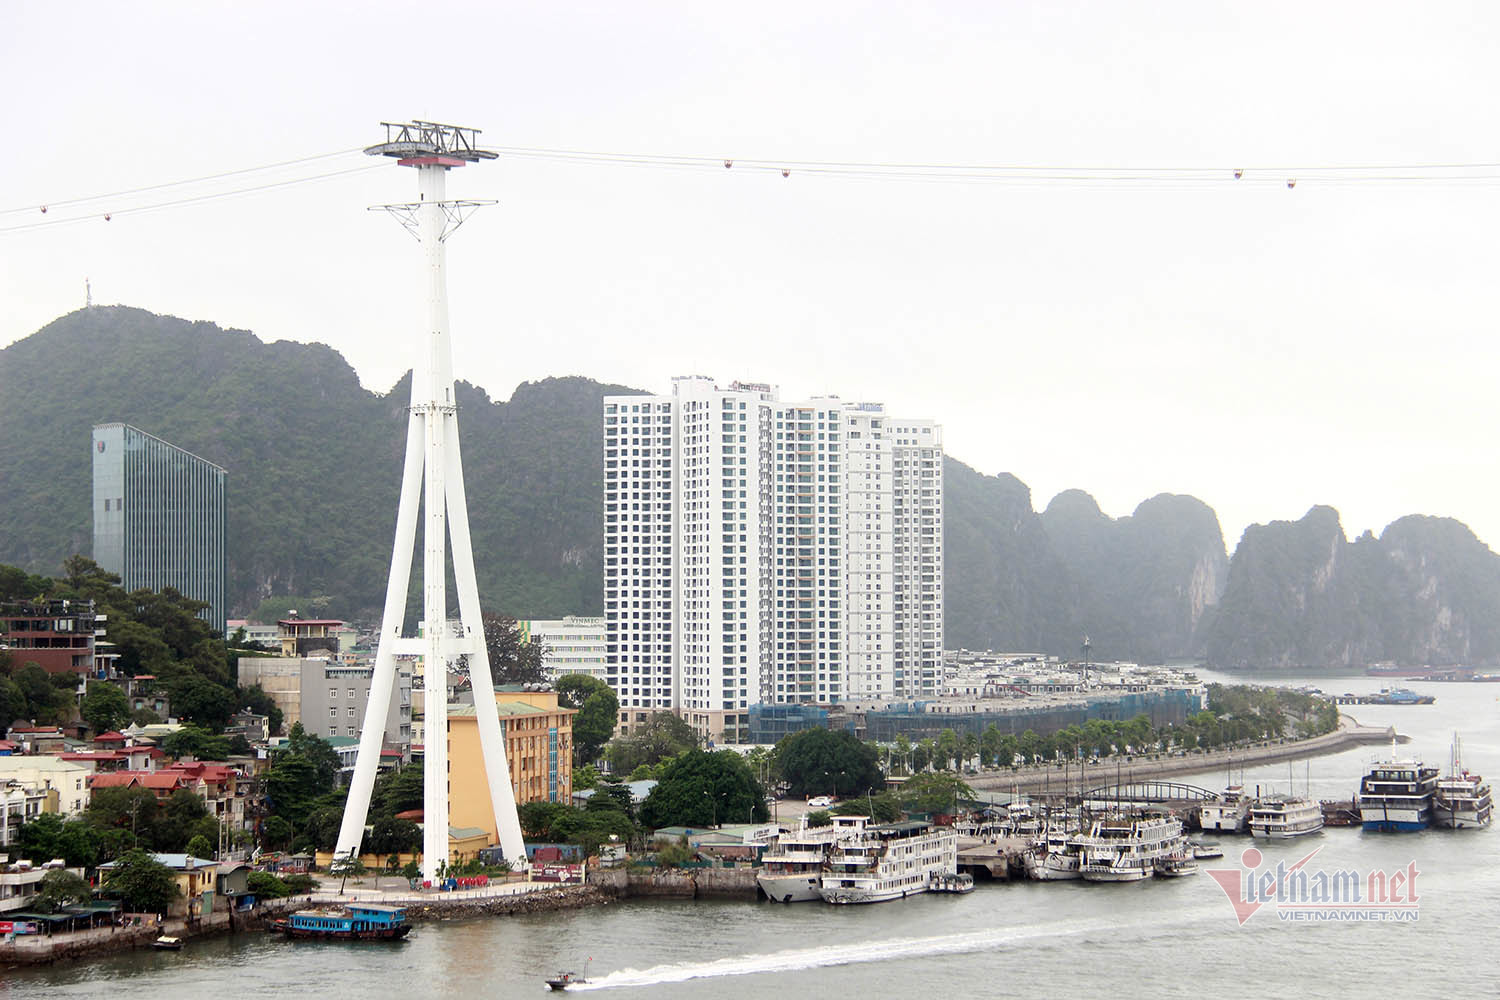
(433, 460)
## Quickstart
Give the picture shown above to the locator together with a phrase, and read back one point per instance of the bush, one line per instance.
(267, 886)
(300, 884)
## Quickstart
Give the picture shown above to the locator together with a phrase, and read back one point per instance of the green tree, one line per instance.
(389, 835)
(198, 699)
(512, 661)
(12, 701)
(49, 836)
(181, 818)
(937, 792)
(48, 699)
(141, 883)
(105, 708)
(968, 746)
(701, 789)
(825, 762)
(989, 745)
(199, 847)
(132, 810)
(947, 745)
(882, 808)
(585, 776)
(598, 709)
(197, 742)
(292, 786)
(611, 795)
(316, 750)
(264, 885)
(275, 833)
(397, 792)
(59, 888)
(661, 737)
(820, 817)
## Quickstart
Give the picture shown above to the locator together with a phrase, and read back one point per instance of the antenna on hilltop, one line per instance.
(88, 294)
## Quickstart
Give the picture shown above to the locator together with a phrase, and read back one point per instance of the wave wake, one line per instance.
(837, 954)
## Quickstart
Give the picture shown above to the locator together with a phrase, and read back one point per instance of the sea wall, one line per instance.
(675, 883)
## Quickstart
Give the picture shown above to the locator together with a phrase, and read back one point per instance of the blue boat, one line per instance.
(355, 922)
(1395, 796)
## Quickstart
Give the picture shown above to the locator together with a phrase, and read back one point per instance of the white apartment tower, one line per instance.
(760, 551)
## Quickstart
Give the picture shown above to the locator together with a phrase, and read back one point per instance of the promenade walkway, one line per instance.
(1034, 779)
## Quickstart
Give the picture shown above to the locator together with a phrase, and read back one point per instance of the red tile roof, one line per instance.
(143, 779)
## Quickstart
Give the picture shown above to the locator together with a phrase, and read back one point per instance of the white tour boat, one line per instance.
(1122, 848)
(1282, 817)
(890, 861)
(1461, 800)
(793, 863)
(1229, 812)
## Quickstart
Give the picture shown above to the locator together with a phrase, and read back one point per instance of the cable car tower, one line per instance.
(433, 461)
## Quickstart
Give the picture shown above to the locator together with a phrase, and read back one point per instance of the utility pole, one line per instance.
(433, 461)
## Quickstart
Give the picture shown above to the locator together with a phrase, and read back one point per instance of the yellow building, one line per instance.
(538, 747)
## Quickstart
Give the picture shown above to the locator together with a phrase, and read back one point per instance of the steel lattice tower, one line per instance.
(432, 455)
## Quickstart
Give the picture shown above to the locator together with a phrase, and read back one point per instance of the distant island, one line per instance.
(314, 460)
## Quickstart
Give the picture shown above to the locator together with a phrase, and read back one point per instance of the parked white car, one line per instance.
(821, 802)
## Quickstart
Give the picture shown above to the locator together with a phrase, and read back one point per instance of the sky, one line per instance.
(1262, 347)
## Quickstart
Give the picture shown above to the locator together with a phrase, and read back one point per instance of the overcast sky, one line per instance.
(1263, 348)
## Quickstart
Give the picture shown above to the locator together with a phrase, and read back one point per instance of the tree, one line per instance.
(398, 792)
(598, 710)
(989, 745)
(132, 810)
(820, 817)
(937, 792)
(292, 785)
(585, 776)
(611, 795)
(105, 708)
(882, 808)
(183, 817)
(275, 833)
(59, 888)
(264, 885)
(703, 789)
(316, 750)
(141, 883)
(199, 847)
(947, 745)
(389, 835)
(49, 836)
(662, 736)
(12, 701)
(48, 699)
(197, 742)
(968, 746)
(823, 762)
(200, 700)
(512, 661)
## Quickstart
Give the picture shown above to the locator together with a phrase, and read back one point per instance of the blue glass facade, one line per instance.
(159, 516)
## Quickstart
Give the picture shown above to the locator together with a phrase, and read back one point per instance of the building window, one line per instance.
(333, 713)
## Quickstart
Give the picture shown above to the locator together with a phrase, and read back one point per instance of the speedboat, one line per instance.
(563, 980)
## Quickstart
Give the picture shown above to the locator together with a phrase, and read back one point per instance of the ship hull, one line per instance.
(789, 888)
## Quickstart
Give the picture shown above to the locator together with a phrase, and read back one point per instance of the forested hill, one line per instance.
(314, 463)
(314, 460)
(1300, 593)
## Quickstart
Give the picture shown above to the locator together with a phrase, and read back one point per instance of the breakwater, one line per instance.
(1035, 779)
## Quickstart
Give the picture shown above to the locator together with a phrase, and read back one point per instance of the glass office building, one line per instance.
(159, 516)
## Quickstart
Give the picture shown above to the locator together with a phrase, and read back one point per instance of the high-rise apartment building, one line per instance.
(762, 552)
(159, 516)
